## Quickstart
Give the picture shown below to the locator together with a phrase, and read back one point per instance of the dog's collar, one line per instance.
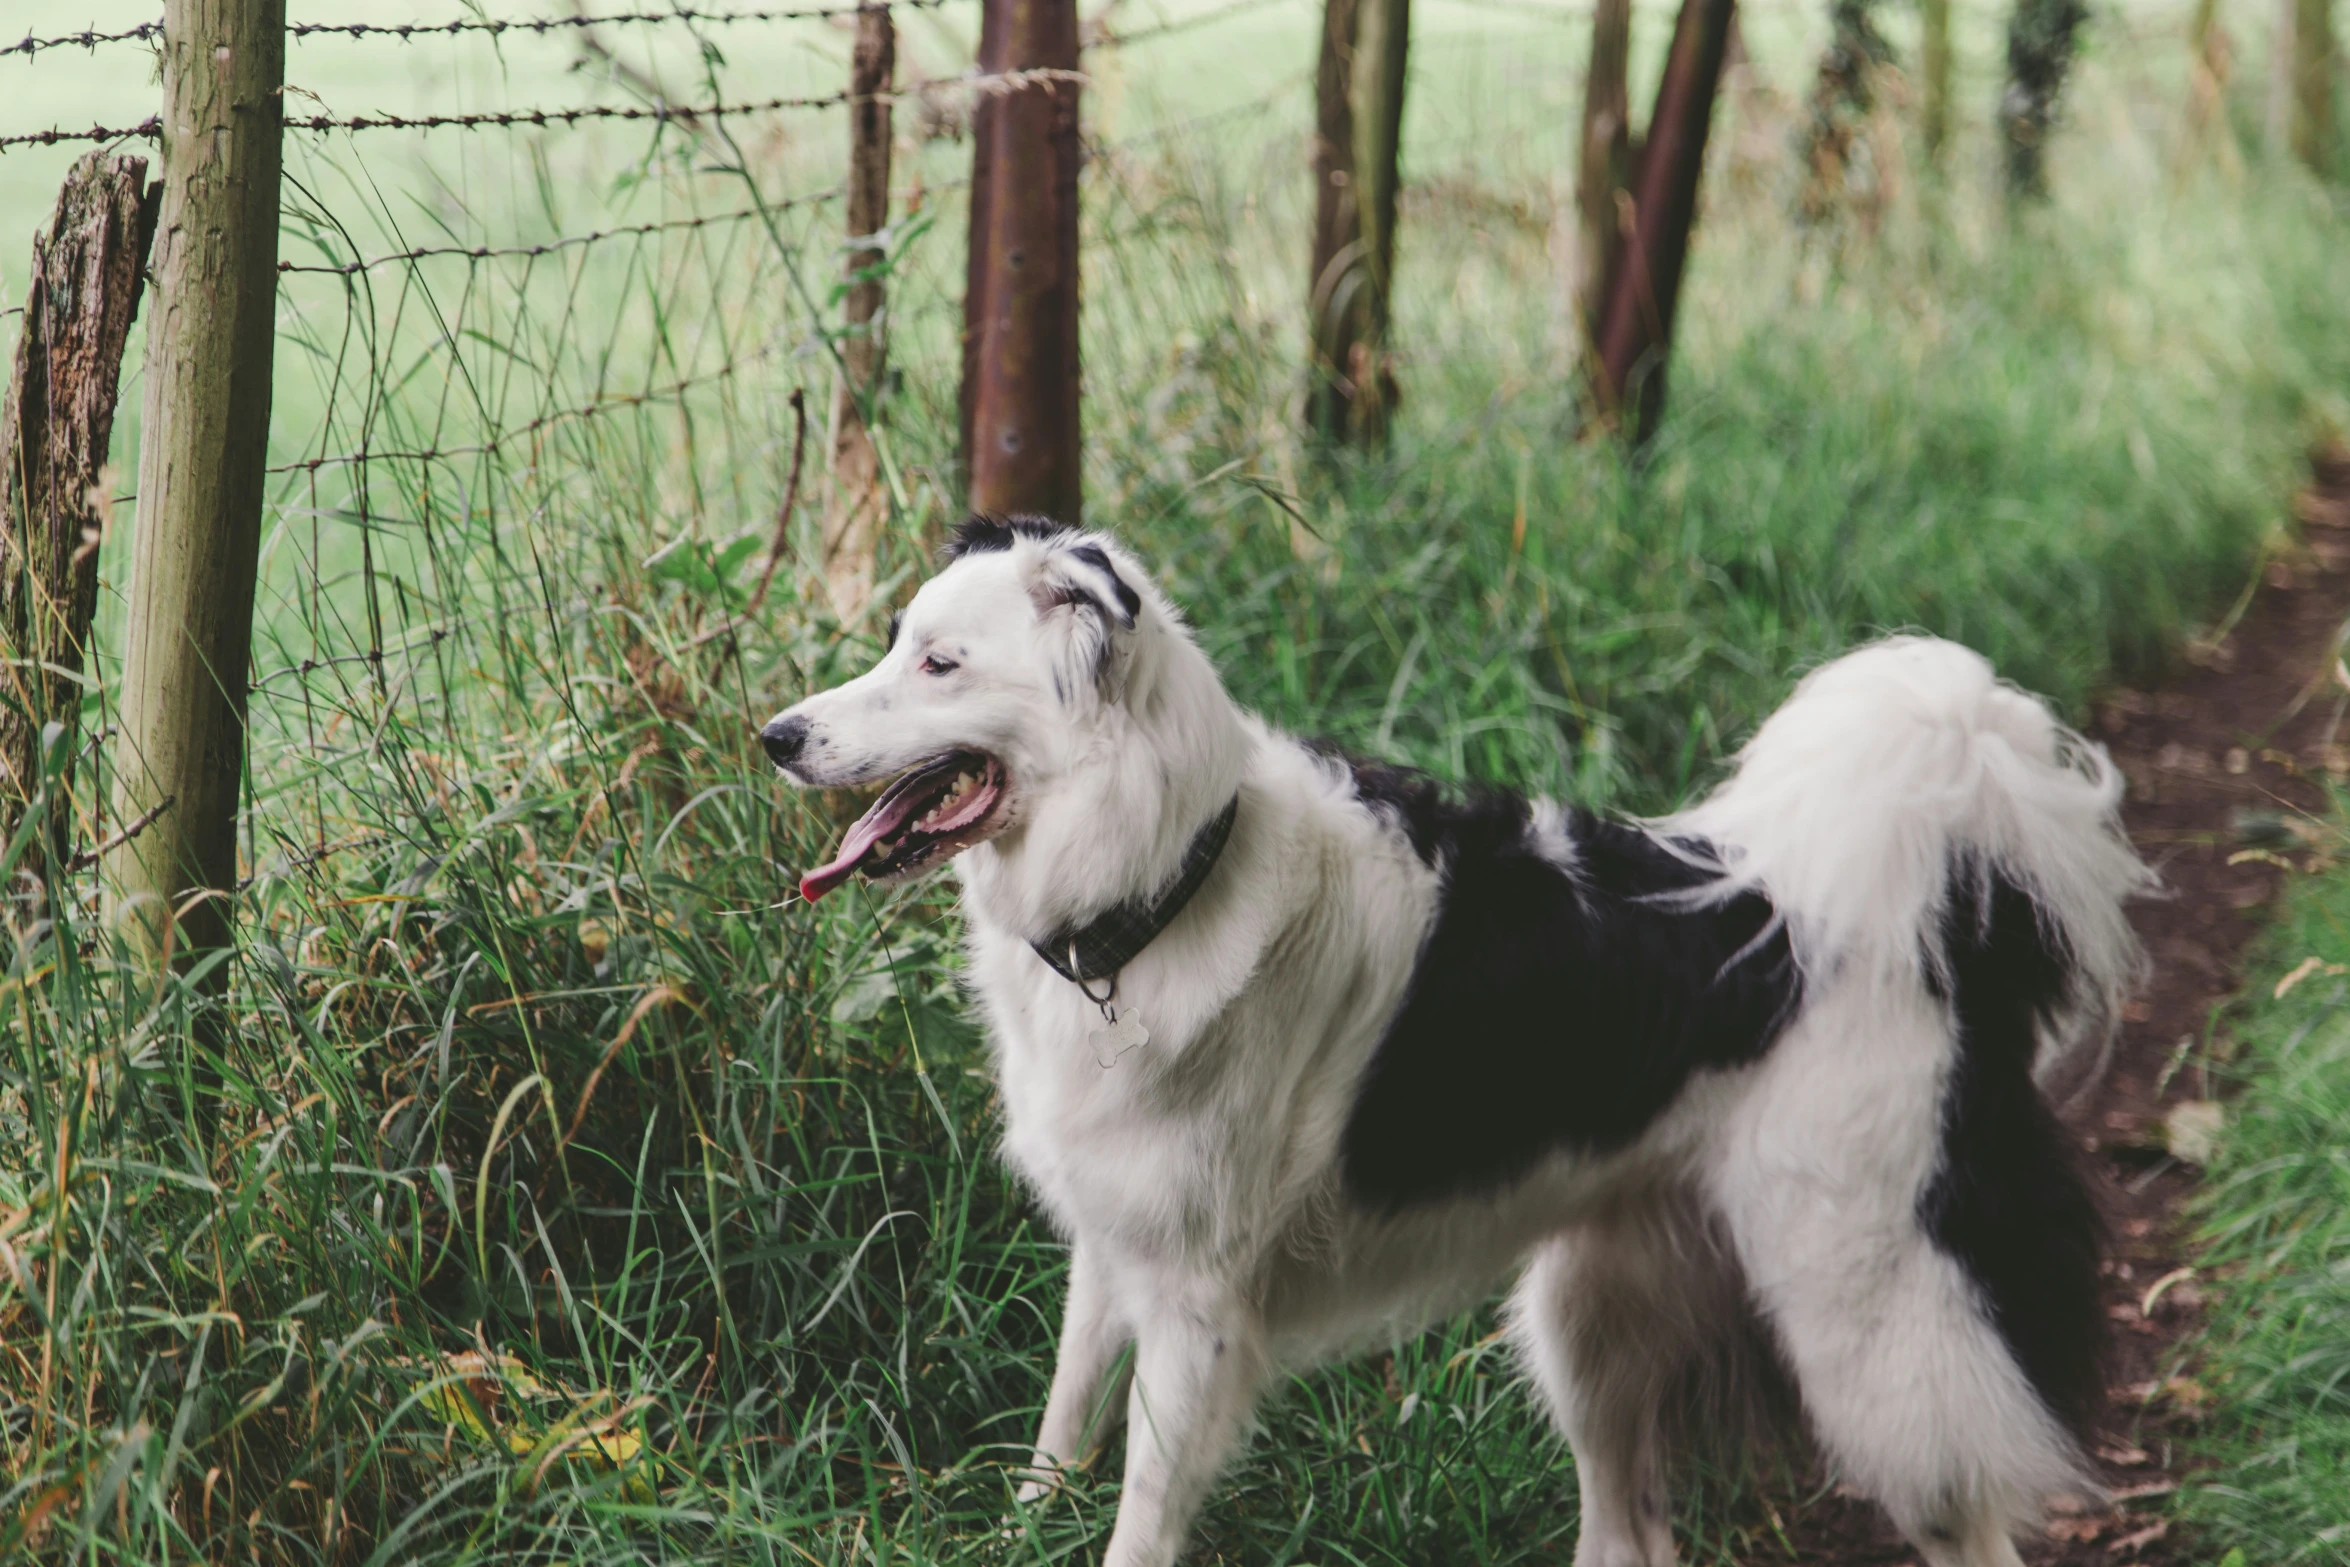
(1098, 949)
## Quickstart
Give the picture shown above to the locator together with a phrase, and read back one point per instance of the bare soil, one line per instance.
(2224, 763)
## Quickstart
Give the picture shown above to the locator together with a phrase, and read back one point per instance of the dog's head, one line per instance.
(996, 683)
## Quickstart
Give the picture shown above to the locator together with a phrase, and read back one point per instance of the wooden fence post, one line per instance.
(1021, 450)
(859, 504)
(1336, 303)
(203, 448)
(1934, 66)
(2314, 64)
(1603, 183)
(1636, 336)
(2040, 37)
(55, 427)
(1359, 88)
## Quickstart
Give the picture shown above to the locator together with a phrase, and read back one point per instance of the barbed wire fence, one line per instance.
(511, 371)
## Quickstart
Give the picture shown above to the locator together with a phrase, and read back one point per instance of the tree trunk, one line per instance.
(1603, 183)
(55, 428)
(2313, 85)
(1020, 357)
(1934, 67)
(1636, 332)
(859, 505)
(203, 449)
(1336, 301)
(2040, 37)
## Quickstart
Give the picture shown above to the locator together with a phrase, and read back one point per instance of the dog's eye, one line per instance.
(934, 665)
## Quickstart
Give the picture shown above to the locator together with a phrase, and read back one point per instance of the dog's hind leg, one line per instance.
(1083, 1407)
(1608, 1318)
(1200, 1357)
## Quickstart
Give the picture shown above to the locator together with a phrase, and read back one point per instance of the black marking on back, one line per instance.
(1550, 1010)
(978, 535)
(2008, 1202)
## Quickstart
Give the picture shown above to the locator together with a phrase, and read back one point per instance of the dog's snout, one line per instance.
(784, 739)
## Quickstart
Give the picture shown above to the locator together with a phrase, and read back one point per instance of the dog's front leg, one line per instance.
(1200, 1358)
(1080, 1411)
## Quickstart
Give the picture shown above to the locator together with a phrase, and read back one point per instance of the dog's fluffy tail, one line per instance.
(1896, 789)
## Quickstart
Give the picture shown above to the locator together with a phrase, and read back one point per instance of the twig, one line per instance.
(791, 499)
(86, 858)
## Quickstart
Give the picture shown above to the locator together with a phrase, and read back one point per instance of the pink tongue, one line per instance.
(885, 817)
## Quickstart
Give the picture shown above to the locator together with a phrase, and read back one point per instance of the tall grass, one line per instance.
(527, 1055)
(2275, 1482)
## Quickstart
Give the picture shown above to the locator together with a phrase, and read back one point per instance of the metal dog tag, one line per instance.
(1122, 1032)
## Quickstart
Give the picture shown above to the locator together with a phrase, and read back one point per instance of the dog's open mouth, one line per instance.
(940, 807)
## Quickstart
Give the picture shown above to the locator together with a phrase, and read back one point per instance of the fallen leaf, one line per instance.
(2125, 1457)
(2132, 1543)
(2301, 971)
(2078, 1531)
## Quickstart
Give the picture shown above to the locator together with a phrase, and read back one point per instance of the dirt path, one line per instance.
(2221, 762)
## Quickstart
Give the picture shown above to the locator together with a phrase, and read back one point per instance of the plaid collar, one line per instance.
(1098, 950)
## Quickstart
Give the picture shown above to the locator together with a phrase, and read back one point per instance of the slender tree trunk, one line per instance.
(202, 454)
(858, 508)
(55, 427)
(2040, 38)
(2314, 63)
(1636, 333)
(1934, 67)
(1336, 299)
(1020, 358)
(1603, 182)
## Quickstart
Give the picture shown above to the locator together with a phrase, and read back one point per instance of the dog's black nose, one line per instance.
(784, 739)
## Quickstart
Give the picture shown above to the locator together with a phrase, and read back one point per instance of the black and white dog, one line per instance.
(1300, 1052)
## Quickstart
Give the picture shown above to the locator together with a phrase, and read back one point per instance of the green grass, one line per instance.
(2277, 1214)
(524, 1050)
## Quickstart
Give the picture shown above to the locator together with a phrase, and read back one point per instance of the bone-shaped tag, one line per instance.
(1121, 1032)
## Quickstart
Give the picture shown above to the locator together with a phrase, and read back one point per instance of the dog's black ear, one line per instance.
(979, 534)
(1122, 603)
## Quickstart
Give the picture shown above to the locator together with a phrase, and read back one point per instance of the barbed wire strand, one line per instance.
(405, 32)
(549, 247)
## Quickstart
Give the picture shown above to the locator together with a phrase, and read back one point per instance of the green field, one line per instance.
(525, 1052)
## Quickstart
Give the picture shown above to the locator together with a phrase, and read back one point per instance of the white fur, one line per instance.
(1197, 1177)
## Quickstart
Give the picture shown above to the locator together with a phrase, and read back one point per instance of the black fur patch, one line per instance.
(2008, 1203)
(1129, 601)
(1547, 1010)
(977, 535)
(895, 620)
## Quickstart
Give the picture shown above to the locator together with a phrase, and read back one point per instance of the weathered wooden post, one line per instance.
(1359, 91)
(859, 505)
(1636, 334)
(1336, 303)
(55, 426)
(1020, 362)
(2314, 65)
(202, 454)
(1603, 182)
(1934, 66)
(2040, 36)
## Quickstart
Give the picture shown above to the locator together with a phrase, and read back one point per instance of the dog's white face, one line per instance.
(980, 702)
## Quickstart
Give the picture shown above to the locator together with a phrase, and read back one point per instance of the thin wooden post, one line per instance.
(859, 505)
(55, 427)
(1359, 92)
(1603, 183)
(2314, 65)
(1336, 303)
(1934, 66)
(2040, 37)
(202, 453)
(1020, 358)
(1636, 336)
